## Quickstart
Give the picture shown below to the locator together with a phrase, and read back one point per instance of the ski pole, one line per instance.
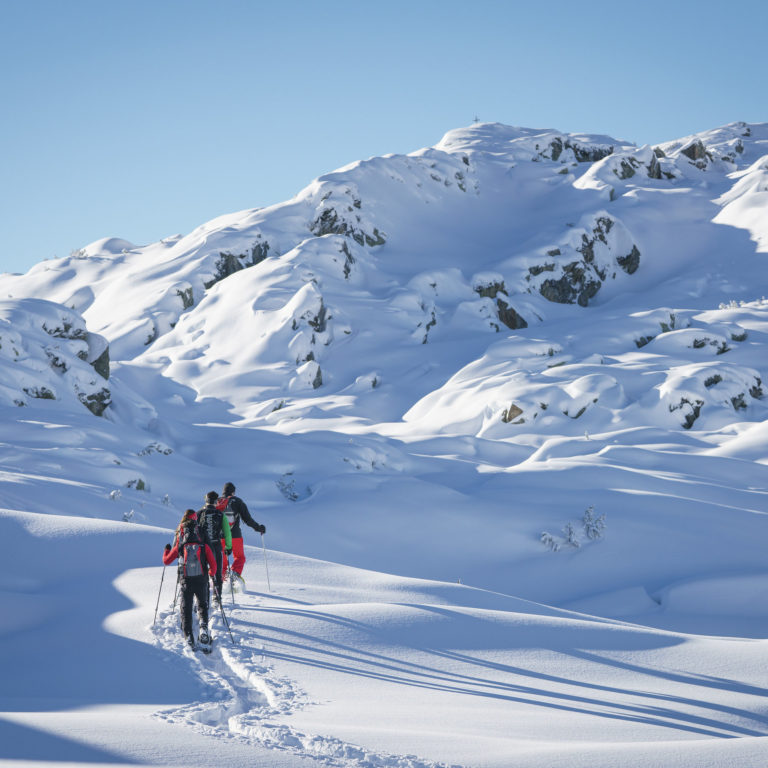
(266, 565)
(176, 592)
(231, 580)
(224, 616)
(158, 596)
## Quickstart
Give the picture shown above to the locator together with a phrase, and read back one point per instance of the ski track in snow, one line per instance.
(246, 692)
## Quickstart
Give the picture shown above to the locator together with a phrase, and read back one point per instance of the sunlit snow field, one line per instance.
(489, 542)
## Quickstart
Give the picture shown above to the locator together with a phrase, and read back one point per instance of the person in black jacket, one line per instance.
(214, 523)
(236, 511)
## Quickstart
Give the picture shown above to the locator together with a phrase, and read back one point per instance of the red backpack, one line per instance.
(192, 551)
(224, 504)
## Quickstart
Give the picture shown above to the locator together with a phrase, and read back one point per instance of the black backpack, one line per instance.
(192, 559)
(210, 522)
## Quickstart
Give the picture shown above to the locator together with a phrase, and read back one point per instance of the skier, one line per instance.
(236, 510)
(216, 527)
(195, 560)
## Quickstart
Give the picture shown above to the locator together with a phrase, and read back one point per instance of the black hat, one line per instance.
(229, 489)
(211, 496)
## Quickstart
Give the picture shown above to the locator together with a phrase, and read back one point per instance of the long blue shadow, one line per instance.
(20, 742)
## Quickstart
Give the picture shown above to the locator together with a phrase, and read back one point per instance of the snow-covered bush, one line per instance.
(591, 527)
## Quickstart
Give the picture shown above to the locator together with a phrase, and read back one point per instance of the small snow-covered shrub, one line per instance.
(590, 528)
(287, 486)
(593, 525)
(155, 447)
(549, 541)
(571, 538)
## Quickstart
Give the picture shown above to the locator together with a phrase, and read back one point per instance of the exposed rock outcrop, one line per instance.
(494, 288)
(574, 272)
(47, 353)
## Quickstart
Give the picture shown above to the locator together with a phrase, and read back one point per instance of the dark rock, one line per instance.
(588, 154)
(327, 223)
(431, 324)
(376, 239)
(490, 290)
(508, 414)
(101, 362)
(320, 321)
(696, 151)
(57, 363)
(330, 223)
(227, 264)
(694, 413)
(259, 252)
(559, 291)
(97, 402)
(627, 169)
(544, 267)
(187, 298)
(738, 402)
(41, 393)
(630, 262)
(349, 260)
(67, 331)
(509, 316)
(590, 290)
(654, 169)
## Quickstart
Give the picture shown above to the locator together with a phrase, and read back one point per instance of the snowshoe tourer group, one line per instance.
(203, 543)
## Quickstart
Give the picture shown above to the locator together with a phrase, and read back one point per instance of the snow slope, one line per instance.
(349, 667)
(522, 360)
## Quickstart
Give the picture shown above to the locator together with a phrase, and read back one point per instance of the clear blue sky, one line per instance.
(142, 119)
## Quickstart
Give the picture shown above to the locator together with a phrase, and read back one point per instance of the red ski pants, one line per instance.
(237, 553)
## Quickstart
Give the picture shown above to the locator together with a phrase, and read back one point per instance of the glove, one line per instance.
(229, 551)
(262, 529)
(167, 547)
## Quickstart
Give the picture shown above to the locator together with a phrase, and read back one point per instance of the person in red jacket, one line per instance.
(196, 560)
(236, 511)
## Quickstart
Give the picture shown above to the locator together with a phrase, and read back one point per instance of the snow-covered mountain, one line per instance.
(530, 361)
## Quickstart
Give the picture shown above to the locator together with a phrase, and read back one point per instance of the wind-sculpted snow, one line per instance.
(662, 367)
